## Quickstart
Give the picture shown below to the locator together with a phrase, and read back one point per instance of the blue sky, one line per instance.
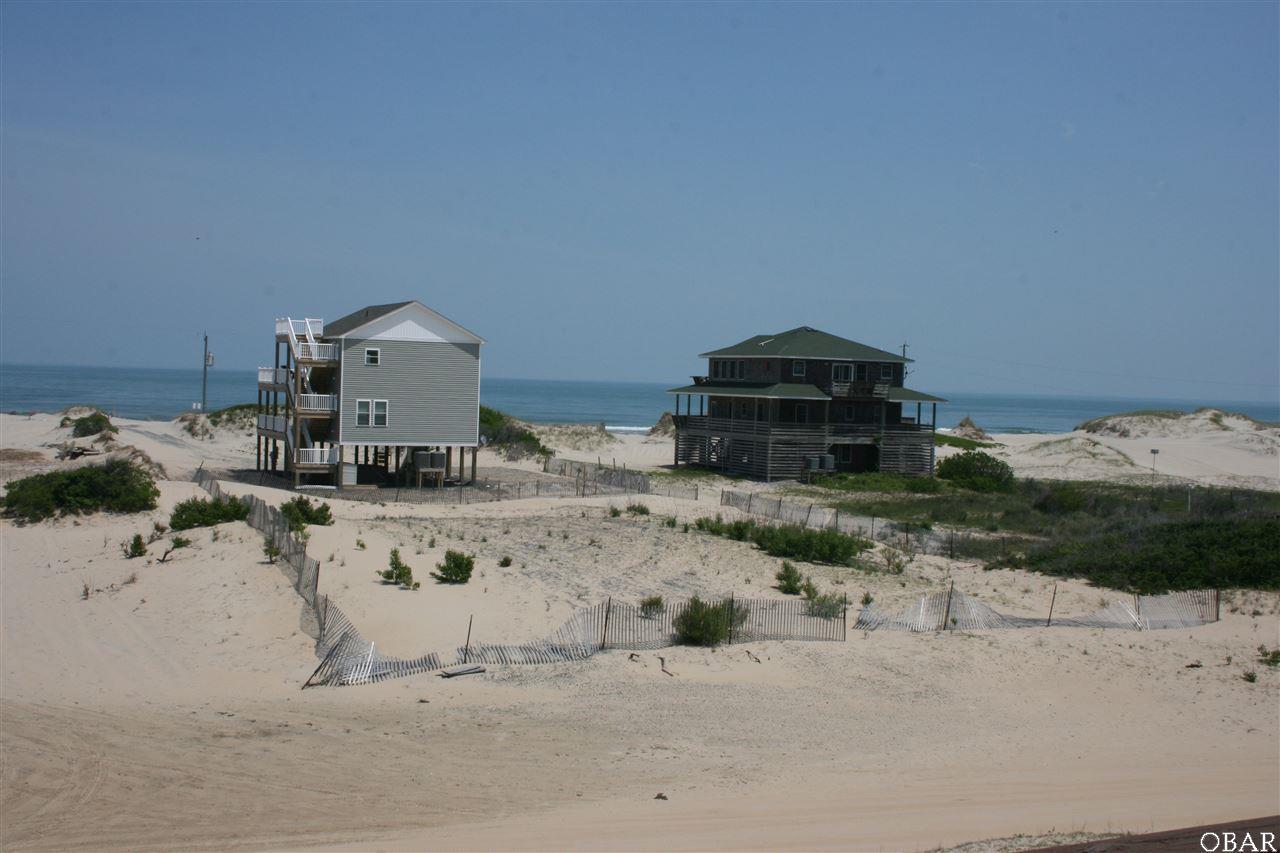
(1053, 198)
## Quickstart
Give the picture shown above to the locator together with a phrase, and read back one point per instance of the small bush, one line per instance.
(91, 424)
(201, 512)
(300, 512)
(174, 544)
(399, 572)
(360, 546)
(1250, 676)
(614, 512)
(704, 624)
(867, 599)
(1269, 657)
(790, 540)
(651, 606)
(270, 551)
(789, 579)
(670, 522)
(135, 547)
(456, 568)
(977, 471)
(824, 605)
(115, 486)
(504, 562)
(638, 509)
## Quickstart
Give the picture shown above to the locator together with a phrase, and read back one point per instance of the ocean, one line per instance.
(157, 394)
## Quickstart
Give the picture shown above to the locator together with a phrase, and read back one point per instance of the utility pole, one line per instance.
(204, 379)
(905, 372)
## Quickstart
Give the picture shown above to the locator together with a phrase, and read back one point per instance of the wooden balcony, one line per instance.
(827, 433)
(317, 456)
(858, 390)
(273, 423)
(273, 376)
(321, 405)
(317, 352)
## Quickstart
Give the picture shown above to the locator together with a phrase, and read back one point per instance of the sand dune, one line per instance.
(164, 711)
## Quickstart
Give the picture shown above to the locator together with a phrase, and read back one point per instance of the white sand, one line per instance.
(165, 713)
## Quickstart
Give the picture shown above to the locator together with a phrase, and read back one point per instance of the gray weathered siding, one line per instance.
(432, 389)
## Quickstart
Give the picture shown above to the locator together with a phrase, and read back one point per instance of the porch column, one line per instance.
(474, 452)
(933, 438)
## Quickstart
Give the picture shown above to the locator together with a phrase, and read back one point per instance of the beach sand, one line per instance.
(163, 711)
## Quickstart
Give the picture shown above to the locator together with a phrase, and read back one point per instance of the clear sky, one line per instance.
(1037, 197)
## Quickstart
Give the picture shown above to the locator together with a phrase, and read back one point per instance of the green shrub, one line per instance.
(867, 598)
(270, 551)
(1250, 676)
(670, 522)
(398, 572)
(300, 511)
(651, 606)
(977, 471)
(135, 547)
(825, 605)
(115, 486)
(788, 578)
(701, 623)
(790, 540)
(614, 512)
(1269, 657)
(201, 512)
(1156, 558)
(91, 424)
(504, 562)
(456, 568)
(503, 432)
(638, 509)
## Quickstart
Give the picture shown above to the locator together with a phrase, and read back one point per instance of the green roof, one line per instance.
(804, 342)
(907, 395)
(777, 390)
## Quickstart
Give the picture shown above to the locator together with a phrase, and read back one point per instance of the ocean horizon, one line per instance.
(165, 393)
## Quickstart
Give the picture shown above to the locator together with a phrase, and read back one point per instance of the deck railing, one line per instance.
(273, 376)
(317, 352)
(324, 403)
(858, 389)
(299, 327)
(275, 423)
(316, 456)
(737, 426)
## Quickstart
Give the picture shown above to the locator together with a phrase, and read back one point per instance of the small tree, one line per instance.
(788, 578)
(456, 568)
(270, 551)
(135, 547)
(399, 572)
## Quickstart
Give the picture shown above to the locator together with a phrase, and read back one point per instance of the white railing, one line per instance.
(316, 455)
(275, 423)
(285, 325)
(317, 403)
(317, 352)
(273, 376)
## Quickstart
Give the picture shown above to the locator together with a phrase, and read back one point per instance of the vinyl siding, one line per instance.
(431, 388)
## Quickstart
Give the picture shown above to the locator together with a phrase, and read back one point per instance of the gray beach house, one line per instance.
(775, 406)
(379, 396)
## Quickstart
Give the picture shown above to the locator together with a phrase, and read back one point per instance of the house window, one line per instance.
(362, 413)
(742, 370)
(886, 371)
(716, 368)
(841, 372)
(797, 368)
(379, 413)
(860, 372)
(848, 413)
(373, 357)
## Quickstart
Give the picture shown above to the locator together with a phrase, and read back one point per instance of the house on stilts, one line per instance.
(387, 394)
(776, 406)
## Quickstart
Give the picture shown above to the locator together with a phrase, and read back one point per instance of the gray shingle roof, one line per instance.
(356, 319)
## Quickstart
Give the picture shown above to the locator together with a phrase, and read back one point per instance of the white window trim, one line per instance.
(386, 414)
(377, 350)
(798, 368)
(368, 413)
(842, 368)
(886, 371)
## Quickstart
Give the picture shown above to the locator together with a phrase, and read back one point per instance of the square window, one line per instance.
(379, 413)
(797, 368)
(362, 413)
(886, 371)
(373, 357)
(841, 372)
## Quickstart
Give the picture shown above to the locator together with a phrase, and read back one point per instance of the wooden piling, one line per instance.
(1049, 621)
